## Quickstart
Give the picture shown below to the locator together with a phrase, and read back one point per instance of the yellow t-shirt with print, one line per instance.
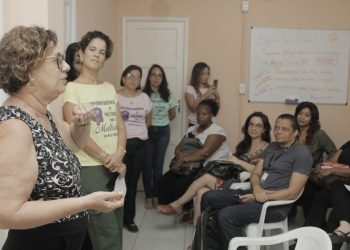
(103, 129)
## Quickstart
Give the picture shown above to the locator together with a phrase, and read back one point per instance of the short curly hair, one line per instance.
(88, 37)
(20, 49)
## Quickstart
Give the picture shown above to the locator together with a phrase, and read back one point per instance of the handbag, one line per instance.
(222, 169)
(327, 181)
(188, 145)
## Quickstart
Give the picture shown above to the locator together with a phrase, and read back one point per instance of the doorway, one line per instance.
(148, 40)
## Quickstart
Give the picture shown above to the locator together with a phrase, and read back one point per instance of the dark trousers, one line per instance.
(307, 197)
(317, 210)
(134, 159)
(338, 198)
(172, 186)
(158, 140)
(341, 201)
(56, 236)
(234, 216)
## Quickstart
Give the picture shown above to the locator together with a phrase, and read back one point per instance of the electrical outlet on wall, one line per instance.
(241, 90)
(245, 6)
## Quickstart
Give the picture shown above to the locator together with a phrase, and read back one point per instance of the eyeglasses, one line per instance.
(156, 76)
(132, 77)
(257, 126)
(59, 60)
(282, 129)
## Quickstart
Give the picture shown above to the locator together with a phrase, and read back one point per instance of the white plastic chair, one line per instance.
(308, 238)
(3, 236)
(256, 229)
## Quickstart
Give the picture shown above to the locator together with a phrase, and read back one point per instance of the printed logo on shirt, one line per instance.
(98, 116)
(125, 115)
(105, 118)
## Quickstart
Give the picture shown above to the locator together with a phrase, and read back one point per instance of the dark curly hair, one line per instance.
(20, 50)
(86, 39)
(244, 145)
(212, 104)
(163, 88)
(315, 119)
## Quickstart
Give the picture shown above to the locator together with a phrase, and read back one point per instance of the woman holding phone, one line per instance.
(199, 90)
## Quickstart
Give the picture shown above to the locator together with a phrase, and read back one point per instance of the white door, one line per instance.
(162, 41)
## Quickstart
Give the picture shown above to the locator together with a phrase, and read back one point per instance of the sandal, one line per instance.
(169, 209)
(338, 239)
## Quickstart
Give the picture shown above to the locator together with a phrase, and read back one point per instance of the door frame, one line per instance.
(185, 22)
(2, 18)
(70, 29)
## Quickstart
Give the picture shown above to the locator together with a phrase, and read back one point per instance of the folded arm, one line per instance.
(211, 144)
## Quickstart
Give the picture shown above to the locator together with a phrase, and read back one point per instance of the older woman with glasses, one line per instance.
(136, 108)
(42, 202)
(102, 157)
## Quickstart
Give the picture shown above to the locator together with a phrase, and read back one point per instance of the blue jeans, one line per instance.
(234, 216)
(158, 141)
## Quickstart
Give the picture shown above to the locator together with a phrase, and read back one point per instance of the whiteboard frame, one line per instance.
(295, 99)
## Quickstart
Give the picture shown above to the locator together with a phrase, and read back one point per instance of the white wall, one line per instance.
(44, 13)
(3, 233)
(23, 12)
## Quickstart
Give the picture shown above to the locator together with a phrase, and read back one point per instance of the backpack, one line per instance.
(206, 234)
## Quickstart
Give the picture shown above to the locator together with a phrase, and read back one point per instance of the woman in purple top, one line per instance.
(136, 109)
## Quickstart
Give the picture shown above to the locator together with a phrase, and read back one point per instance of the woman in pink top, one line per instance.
(199, 90)
(136, 110)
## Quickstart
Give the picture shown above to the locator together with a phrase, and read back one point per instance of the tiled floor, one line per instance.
(158, 231)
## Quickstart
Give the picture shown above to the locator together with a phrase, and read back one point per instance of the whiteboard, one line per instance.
(299, 65)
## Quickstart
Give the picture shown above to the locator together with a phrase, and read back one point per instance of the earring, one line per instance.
(32, 83)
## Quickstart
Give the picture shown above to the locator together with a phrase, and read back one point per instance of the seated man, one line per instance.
(280, 175)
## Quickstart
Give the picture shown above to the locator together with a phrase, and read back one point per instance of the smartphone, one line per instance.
(236, 197)
(215, 83)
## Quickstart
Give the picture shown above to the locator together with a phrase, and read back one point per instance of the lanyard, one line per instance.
(277, 154)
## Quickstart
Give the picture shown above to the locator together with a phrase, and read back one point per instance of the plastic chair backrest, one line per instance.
(308, 238)
(270, 204)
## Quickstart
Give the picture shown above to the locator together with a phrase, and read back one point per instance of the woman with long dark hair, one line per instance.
(319, 144)
(198, 90)
(311, 134)
(164, 110)
(256, 132)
